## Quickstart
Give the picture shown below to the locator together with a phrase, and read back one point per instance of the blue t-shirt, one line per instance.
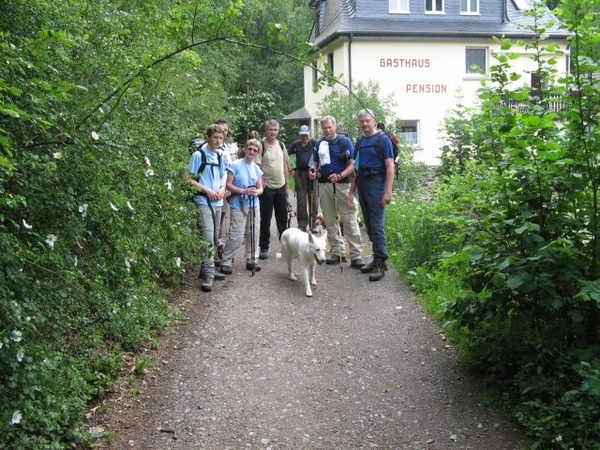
(333, 157)
(211, 175)
(245, 174)
(368, 159)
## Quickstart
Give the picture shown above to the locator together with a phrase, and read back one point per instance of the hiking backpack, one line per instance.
(264, 147)
(379, 150)
(196, 145)
(339, 138)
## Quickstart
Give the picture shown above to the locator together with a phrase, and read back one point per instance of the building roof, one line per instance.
(370, 19)
(299, 114)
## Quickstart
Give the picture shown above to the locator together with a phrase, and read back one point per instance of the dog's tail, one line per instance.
(278, 256)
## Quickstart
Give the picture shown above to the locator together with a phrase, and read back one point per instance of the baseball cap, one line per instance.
(304, 130)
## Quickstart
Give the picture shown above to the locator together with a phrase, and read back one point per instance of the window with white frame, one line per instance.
(476, 60)
(409, 131)
(399, 6)
(330, 68)
(469, 7)
(434, 6)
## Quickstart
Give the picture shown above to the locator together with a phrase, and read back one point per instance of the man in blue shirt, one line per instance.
(333, 166)
(374, 181)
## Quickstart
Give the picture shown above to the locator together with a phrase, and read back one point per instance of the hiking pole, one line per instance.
(252, 237)
(337, 224)
(311, 192)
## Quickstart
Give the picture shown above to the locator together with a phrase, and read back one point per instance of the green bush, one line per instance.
(506, 251)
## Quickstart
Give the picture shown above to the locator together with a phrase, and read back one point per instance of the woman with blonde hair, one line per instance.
(244, 181)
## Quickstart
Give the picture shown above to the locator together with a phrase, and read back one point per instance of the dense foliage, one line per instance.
(507, 252)
(98, 101)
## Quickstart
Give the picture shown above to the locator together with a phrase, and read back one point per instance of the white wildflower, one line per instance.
(16, 418)
(20, 355)
(50, 240)
(147, 161)
(149, 172)
(169, 185)
(178, 262)
(83, 209)
(95, 136)
(57, 155)
(17, 336)
(113, 207)
(26, 225)
(278, 26)
(128, 262)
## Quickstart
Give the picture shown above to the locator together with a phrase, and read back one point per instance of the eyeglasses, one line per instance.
(251, 149)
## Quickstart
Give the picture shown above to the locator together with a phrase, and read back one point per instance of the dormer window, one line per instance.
(399, 6)
(469, 7)
(434, 6)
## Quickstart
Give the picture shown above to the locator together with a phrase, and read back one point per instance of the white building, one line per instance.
(422, 51)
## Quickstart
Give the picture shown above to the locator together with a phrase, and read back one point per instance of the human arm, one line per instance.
(353, 183)
(389, 181)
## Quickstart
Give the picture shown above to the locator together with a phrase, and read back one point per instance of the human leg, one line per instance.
(280, 207)
(301, 199)
(349, 219)
(235, 237)
(370, 191)
(206, 227)
(373, 191)
(330, 215)
(266, 214)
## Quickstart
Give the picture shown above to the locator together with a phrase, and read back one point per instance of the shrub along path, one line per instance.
(257, 365)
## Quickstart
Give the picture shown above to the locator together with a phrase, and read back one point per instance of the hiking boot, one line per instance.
(264, 254)
(206, 285)
(357, 263)
(369, 267)
(226, 269)
(253, 266)
(333, 259)
(219, 276)
(378, 270)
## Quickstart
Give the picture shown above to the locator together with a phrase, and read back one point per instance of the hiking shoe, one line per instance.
(378, 270)
(226, 269)
(357, 263)
(369, 267)
(253, 266)
(264, 254)
(333, 259)
(219, 276)
(206, 285)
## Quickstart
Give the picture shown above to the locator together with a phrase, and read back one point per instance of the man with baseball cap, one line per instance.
(305, 193)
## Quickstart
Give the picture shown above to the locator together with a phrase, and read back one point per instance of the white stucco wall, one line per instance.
(427, 79)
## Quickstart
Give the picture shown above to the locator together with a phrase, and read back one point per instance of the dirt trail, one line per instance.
(257, 365)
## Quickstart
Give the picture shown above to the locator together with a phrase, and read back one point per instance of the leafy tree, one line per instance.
(517, 216)
(344, 105)
(98, 100)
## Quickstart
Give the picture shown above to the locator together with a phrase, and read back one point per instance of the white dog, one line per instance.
(308, 249)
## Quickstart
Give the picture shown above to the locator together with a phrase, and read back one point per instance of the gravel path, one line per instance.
(257, 365)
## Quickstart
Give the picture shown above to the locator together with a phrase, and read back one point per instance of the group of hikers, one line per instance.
(237, 191)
